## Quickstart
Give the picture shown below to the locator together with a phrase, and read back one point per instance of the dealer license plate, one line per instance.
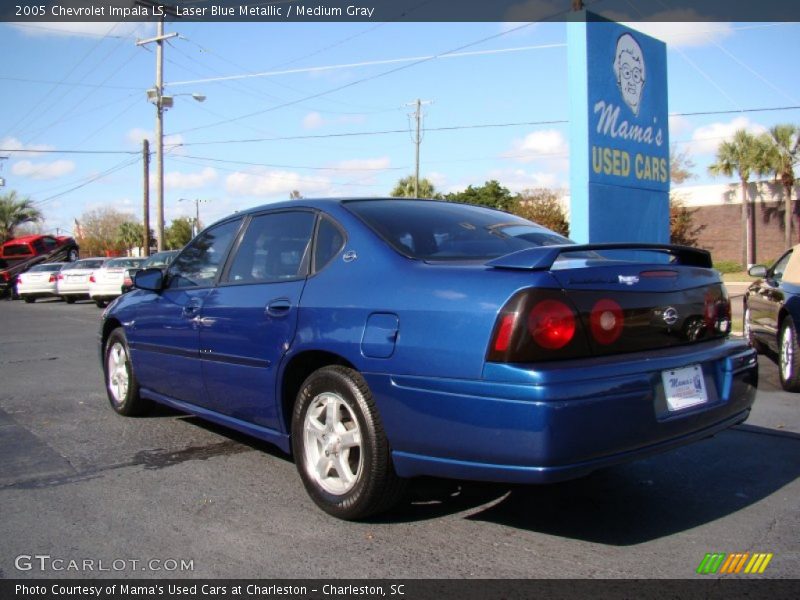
(684, 387)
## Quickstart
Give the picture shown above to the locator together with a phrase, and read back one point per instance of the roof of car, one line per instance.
(29, 238)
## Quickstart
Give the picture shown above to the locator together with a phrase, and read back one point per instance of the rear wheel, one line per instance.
(340, 448)
(121, 385)
(100, 303)
(69, 299)
(789, 356)
(29, 299)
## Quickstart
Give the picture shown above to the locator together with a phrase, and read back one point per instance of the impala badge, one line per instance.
(628, 279)
(349, 256)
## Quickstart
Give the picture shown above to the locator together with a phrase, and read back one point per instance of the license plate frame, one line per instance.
(684, 388)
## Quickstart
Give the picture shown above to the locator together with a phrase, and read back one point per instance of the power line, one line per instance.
(277, 166)
(92, 179)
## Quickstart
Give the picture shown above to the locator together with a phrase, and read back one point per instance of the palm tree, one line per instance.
(742, 156)
(14, 211)
(130, 235)
(782, 156)
(405, 189)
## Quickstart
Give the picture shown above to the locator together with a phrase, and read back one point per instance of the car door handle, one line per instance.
(204, 321)
(192, 309)
(279, 307)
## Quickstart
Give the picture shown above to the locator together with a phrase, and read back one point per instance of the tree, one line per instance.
(680, 166)
(16, 211)
(97, 232)
(179, 233)
(782, 156)
(130, 235)
(682, 229)
(742, 156)
(405, 189)
(542, 206)
(490, 194)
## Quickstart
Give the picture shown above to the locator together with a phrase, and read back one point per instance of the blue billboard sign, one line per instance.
(619, 133)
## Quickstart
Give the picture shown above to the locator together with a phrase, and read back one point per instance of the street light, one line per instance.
(196, 224)
(162, 102)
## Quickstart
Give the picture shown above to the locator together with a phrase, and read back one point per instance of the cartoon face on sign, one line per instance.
(629, 69)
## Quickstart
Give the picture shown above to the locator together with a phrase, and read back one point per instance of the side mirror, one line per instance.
(759, 271)
(149, 279)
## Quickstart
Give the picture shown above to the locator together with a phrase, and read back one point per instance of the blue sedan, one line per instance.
(382, 339)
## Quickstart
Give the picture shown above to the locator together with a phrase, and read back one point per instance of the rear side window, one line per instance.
(201, 260)
(16, 250)
(330, 241)
(430, 230)
(274, 248)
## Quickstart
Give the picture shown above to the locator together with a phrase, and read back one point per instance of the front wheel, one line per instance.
(121, 385)
(100, 303)
(340, 447)
(789, 356)
(749, 337)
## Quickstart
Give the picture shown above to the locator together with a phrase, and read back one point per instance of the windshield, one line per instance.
(430, 230)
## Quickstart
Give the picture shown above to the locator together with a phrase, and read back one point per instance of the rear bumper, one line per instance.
(560, 421)
(105, 291)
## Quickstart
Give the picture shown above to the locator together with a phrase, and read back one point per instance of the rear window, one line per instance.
(430, 230)
(124, 263)
(16, 250)
(85, 264)
(49, 267)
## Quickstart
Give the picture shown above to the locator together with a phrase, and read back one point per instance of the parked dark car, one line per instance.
(160, 259)
(384, 339)
(20, 254)
(772, 315)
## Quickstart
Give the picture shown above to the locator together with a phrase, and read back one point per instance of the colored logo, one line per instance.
(629, 70)
(720, 563)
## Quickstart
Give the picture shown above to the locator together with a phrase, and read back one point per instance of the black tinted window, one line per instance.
(448, 231)
(200, 261)
(329, 242)
(273, 248)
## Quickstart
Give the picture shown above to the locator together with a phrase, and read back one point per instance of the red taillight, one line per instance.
(606, 321)
(51, 279)
(503, 338)
(717, 313)
(92, 279)
(59, 277)
(551, 324)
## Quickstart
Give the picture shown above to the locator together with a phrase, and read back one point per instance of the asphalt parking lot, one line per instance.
(78, 482)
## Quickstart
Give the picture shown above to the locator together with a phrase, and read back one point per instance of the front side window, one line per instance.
(274, 248)
(201, 260)
(779, 267)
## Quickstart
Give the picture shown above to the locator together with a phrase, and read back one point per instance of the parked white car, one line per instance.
(73, 279)
(106, 282)
(39, 281)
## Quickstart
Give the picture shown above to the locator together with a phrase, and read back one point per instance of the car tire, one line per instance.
(69, 299)
(120, 381)
(789, 356)
(72, 255)
(340, 448)
(29, 299)
(100, 303)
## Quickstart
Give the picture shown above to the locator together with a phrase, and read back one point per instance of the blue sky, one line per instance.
(74, 86)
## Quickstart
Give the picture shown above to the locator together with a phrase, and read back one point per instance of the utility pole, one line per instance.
(156, 95)
(417, 114)
(146, 202)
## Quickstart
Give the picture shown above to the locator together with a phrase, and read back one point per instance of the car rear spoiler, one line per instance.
(541, 258)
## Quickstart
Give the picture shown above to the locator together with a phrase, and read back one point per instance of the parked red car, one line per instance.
(20, 254)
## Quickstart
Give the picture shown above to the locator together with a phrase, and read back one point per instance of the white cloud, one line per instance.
(678, 125)
(707, 138)
(84, 29)
(540, 144)
(266, 182)
(313, 120)
(13, 147)
(359, 165)
(190, 181)
(43, 170)
(517, 180)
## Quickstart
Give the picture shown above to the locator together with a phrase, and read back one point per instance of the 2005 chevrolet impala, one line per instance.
(383, 339)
